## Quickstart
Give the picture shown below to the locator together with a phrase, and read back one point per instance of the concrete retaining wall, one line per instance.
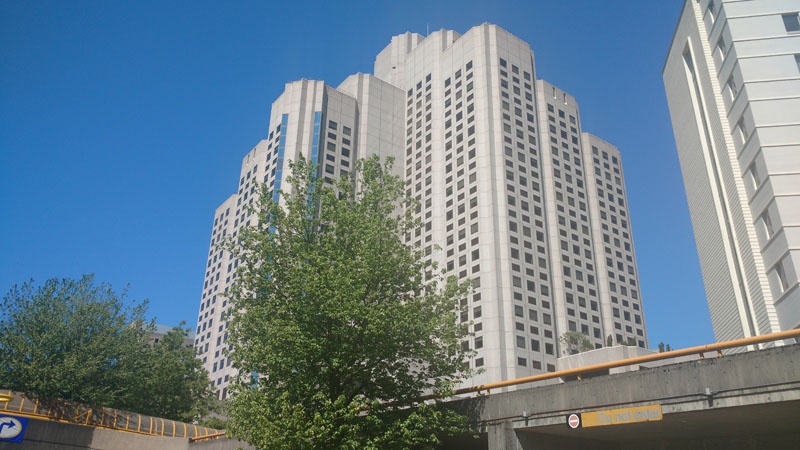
(51, 435)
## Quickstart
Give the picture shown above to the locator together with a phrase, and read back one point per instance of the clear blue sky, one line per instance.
(123, 125)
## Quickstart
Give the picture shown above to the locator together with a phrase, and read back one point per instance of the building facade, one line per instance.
(513, 195)
(732, 78)
(161, 330)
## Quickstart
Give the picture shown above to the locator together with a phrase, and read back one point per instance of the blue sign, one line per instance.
(12, 428)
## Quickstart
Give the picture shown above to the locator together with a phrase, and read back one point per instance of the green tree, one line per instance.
(343, 327)
(174, 384)
(575, 342)
(70, 339)
(80, 341)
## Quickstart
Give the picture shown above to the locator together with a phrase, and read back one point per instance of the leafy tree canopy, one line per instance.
(79, 341)
(174, 384)
(575, 342)
(341, 325)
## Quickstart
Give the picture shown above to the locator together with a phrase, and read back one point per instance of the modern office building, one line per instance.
(732, 78)
(513, 195)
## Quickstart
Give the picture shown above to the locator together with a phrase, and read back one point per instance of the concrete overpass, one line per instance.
(740, 401)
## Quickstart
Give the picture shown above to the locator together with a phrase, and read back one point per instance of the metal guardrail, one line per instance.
(15, 403)
(700, 350)
(207, 437)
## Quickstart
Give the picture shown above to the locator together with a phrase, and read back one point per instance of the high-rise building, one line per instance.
(512, 194)
(329, 127)
(732, 78)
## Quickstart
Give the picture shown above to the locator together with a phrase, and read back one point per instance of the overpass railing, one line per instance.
(15, 403)
(699, 351)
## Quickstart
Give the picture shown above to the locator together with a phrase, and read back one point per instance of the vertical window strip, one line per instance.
(279, 165)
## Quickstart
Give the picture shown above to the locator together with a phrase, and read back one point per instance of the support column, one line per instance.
(503, 437)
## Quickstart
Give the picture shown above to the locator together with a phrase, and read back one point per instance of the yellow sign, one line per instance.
(621, 416)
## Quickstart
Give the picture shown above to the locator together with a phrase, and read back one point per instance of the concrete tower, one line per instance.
(732, 78)
(513, 195)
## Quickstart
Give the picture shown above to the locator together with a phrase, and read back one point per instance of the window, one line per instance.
(797, 61)
(791, 22)
(732, 88)
(722, 47)
(755, 177)
(780, 273)
(741, 131)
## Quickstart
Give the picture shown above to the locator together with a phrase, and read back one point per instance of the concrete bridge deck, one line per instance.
(740, 401)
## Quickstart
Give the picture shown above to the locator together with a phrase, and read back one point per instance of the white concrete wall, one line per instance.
(734, 134)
